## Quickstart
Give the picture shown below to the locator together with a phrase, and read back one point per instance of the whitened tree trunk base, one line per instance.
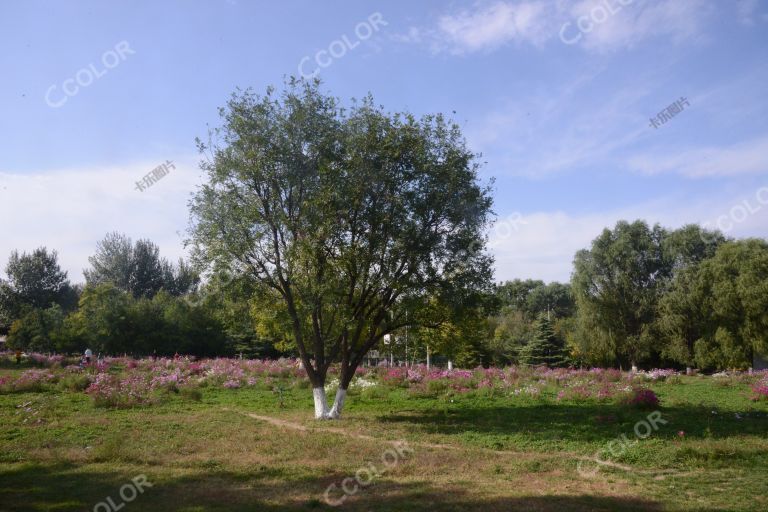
(338, 404)
(321, 403)
(322, 412)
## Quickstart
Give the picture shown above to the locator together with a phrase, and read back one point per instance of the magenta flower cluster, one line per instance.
(641, 397)
(126, 382)
(760, 389)
(33, 380)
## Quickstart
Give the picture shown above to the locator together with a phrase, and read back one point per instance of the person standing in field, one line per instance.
(88, 355)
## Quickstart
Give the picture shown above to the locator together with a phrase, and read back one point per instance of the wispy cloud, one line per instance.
(607, 25)
(494, 25)
(561, 128)
(745, 157)
(639, 21)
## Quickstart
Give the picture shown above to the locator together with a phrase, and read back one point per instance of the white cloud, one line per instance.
(606, 25)
(746, 157)
(542, 245)
(494, 25)
(639, 21)
(70, 210)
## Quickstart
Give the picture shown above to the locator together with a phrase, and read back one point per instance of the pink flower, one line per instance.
(760, 390)
(643, 397)
(681, 433)
(232, 384)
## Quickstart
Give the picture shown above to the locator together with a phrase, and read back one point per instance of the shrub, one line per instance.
(231, 384)
(575, 394)
(111, 391)
(33, 381)
(641, 398)
(75, 382)
(5, 384)
(435, 387)
(395, 377)
(760, 390)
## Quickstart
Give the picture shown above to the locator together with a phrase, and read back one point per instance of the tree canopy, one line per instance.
(348, 217)
(619, 281)
(137, 268)
(716, 313)
(34, 281)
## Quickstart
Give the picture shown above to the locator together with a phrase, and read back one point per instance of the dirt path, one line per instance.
(340, 431)
(297, 426)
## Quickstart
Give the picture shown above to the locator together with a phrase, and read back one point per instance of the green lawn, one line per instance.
(469, 452)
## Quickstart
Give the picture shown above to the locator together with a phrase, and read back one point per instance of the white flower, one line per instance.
(360, 382)
(331, 385)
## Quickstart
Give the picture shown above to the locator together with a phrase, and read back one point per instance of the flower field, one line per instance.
(126, 382)
(232, 434)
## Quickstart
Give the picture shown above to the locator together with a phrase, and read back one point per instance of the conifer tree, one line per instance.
(544, 347)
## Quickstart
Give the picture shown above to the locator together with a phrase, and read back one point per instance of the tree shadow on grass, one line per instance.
(579, 423)
(66, 487)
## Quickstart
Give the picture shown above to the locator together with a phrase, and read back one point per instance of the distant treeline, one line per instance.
(134, 302)
(640, 295)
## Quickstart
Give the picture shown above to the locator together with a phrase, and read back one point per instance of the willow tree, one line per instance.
(346, 218)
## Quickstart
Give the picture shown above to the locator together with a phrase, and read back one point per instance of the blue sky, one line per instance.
(556, 95)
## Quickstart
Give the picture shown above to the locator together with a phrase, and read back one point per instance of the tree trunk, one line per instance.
(338, 404)
(321, 404)
(322, 412)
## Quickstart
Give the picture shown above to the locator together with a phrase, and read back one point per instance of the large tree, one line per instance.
(523, 302)
(715, 315)
(533, 297)
(619, 281)
(35, 281)
(137, 268)
(347, 218)
(617, 284)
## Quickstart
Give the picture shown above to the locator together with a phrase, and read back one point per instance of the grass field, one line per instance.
(254, 448)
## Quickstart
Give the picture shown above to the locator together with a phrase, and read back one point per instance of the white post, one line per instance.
(406, 338)
(427, 357)
(450, 365)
